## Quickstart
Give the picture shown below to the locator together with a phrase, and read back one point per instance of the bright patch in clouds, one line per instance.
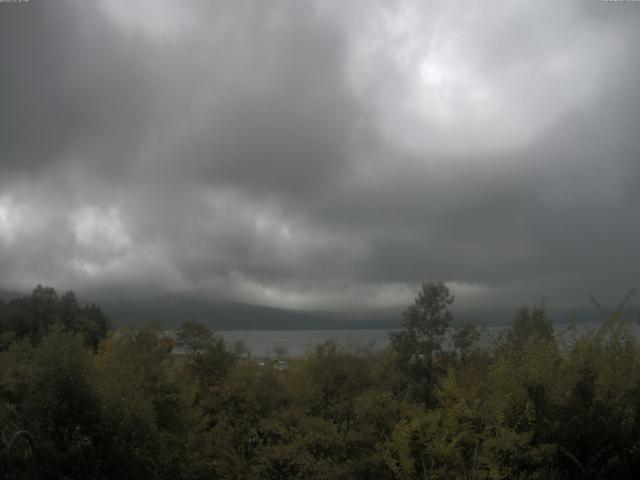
(13, 219)
(158, 19)
(101, 228)
(448, 81)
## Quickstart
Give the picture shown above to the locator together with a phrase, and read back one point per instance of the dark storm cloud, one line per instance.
(316, 155)
(72, 90)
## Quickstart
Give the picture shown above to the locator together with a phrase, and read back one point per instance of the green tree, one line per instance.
(209, 360)
(528, 320)
(34, 316)
(240, 349)
(145, 417)
(465, 340)
(60, 407)
(194, 337)
(425, 324)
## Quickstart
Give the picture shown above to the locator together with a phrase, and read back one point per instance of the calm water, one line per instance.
(296, 342)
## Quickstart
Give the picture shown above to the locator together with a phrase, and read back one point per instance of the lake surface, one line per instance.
(264, 343)
(295, 342)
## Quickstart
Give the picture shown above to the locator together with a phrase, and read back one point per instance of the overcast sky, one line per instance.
(321, 154)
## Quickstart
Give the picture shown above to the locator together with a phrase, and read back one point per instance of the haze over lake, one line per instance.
(296, 342)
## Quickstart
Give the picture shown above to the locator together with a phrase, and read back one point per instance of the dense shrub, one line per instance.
(522, 406)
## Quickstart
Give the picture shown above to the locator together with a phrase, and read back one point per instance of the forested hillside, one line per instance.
(440, 403)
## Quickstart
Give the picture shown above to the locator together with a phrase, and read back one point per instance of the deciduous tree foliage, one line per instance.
(420, 342)
(530, 404)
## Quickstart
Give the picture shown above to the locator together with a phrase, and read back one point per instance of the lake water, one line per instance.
(296, 342)
(263, 343)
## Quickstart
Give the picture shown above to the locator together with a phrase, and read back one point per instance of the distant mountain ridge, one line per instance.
(169, 312)
(8, 295)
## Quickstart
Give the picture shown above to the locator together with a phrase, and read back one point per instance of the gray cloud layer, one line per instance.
(312, 155)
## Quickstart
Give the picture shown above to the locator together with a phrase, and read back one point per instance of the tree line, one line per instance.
(439, 403)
